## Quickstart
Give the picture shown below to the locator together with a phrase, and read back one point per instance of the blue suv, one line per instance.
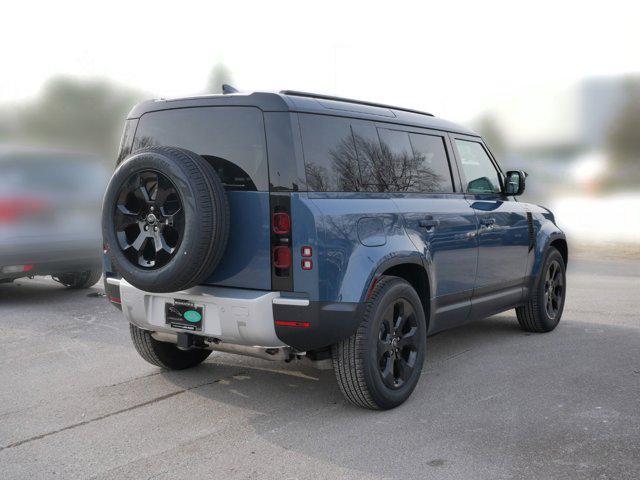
(300, 226)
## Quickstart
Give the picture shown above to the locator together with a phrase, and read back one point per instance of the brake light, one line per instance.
(281, 242)
(281, 223)
(282, 257)
(13, 209)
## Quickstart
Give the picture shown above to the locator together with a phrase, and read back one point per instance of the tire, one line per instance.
(200, 211)
(165, 355)
(535, 316)
(79, 280)
(357, 363)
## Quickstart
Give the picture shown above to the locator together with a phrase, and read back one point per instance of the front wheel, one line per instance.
(543, 310)
(379, 366)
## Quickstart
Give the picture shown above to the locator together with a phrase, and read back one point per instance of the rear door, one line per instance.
(436, 214)
(232, 141)
(503, 234)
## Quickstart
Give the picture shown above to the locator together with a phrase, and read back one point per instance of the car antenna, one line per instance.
(227, 89)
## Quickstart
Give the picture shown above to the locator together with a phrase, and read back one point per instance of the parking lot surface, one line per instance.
(494, 402)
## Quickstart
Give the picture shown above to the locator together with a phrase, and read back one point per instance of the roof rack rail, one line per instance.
(350, 100)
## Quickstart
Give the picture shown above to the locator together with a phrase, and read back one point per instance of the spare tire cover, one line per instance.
(165, 219)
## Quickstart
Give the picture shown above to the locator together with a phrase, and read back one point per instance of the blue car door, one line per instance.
(437, 216)
(503, 233)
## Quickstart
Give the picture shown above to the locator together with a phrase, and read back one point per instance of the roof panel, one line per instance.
(306, 103)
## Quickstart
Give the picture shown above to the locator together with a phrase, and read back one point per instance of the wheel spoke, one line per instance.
(408, 339)
(404, 369)
(388, 371)
(122, 241)
(125, 218)
(139, 243)
(383, 348)
(163, 190)
(161, 244)
(142, 194)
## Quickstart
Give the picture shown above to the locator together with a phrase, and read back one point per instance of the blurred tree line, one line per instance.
(81, 114)
(623, 140)
(71, 113)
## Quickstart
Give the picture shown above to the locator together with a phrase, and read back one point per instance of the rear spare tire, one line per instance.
(165, 219)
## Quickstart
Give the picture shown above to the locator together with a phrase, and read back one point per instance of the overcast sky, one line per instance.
(455, 59)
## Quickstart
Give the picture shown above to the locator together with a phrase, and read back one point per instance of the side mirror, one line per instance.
(515, 182)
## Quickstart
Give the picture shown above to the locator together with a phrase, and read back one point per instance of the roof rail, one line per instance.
(350, 100)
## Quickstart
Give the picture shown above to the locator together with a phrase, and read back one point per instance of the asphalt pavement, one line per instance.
(493, 402)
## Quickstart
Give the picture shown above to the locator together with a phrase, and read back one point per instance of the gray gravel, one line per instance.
(494, 402)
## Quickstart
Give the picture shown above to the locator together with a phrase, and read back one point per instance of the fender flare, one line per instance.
(401, 258)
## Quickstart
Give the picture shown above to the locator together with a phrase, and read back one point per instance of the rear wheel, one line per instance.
(379, 366)
(79, 280)
(544, 309)
(163, 354)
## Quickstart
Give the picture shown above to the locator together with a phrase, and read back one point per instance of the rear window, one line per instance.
(231, 139)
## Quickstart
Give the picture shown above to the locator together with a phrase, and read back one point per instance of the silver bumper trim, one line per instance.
(298, 302)
(231, 315)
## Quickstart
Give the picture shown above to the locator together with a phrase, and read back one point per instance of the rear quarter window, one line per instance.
(330, 154)
(231, 139)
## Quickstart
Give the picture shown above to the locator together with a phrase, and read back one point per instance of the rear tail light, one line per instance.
(281, 242)
(282, 257)
(281, 223)
(15, 209)
(307, 264)
(16, 268)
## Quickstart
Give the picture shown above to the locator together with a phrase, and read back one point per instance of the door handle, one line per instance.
(429, 223)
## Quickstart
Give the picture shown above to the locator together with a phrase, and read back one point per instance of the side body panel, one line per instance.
(503, 238)
(443, 228)
(503, 246)
(545, 232)
(351, 248)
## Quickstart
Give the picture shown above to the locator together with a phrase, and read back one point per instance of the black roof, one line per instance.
(293, 101)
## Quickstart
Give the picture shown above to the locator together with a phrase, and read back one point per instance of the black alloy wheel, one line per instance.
(379, 365)
(397, 345)
(543, 309)
(149, 219)
(553, 289)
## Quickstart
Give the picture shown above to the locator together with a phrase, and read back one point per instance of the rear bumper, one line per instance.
(255, 318)
(231, 315)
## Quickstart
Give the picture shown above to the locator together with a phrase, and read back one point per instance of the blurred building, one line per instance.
(561, 122)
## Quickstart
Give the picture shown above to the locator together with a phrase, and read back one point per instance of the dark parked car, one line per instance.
(49, 215)
(295, 225)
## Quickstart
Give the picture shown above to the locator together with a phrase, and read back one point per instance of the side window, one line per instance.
(396, 166)
(331, 160)
(433, 170)
(231, 139)
(410, 162)
(478, 170)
